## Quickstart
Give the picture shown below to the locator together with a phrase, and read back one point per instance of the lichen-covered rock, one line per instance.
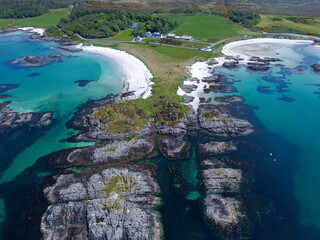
(222, 180)
(217, 121)
(117, 203)
(122, 150)
(217, 148)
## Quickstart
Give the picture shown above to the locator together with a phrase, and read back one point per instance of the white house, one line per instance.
(134, 25)
(171, 35)
(139, 39)
(187, 38)
(148, 34)
(156, 35)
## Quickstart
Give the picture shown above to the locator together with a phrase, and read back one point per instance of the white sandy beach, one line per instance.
(137, 75)
(245, 49)
(262, 47)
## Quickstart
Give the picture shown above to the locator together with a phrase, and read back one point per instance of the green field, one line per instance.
(123, 36)
(287, 25)
(44, 21)
(206, 27)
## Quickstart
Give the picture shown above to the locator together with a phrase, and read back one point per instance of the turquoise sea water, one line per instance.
(47, 88)
(290, 110)
(286, 107)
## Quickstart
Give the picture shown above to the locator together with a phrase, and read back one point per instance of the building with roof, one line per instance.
(139, 39)
(148, 34)
(187, 38)
(171, 35)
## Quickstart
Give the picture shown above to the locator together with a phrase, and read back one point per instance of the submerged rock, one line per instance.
(83, 83)
(117, 203)
(258, 67)
(229, 99)
(36, 61)
(316, 68)
(7, 87)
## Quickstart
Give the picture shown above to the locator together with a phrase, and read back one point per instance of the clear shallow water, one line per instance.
(288, 106)
(47, 88)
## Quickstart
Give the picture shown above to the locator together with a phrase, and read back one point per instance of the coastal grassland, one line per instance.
(206, 27)
(49, 19)
(123, 36)
(285, 25)
(168, 65)
(190, 44)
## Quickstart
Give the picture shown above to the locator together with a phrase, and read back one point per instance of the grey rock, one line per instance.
(117, 203)
(217, 148)
(189, 88)
(221, 123)
(316, 68)
(222, 180)
(229, 99)
(175, 148)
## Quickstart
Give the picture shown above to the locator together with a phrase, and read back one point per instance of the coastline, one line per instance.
(234, 52)
(138, 78)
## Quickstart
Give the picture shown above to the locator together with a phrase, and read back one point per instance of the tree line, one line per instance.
(104, 23)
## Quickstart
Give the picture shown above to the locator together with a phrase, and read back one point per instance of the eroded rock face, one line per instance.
(217, 148)
(116, 203)
(217, 121)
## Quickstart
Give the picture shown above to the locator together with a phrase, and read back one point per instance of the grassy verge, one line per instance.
(206, 27)
(44, 21)
(285, 25)
(123, 36)
(167, 65)
(190, 44)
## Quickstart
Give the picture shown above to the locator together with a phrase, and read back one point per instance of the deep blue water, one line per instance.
(50, 87)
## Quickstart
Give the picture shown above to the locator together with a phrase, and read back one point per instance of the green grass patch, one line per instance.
(111, 149)
(123, 36)
(206, 27)
(47, 20)
(285, 25)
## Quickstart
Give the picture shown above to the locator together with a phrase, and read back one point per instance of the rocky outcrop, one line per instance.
(116, 203)
(217, 120)
(7, 87)
(216, 78)
(215, 148)
(230, 64)
(36, 61)
(189, 88)
(122, 150)
(316, 68)
(258, 67)
(223, 88)
(9, 121)
(227, 217)
(174, 148)
(229, 99)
